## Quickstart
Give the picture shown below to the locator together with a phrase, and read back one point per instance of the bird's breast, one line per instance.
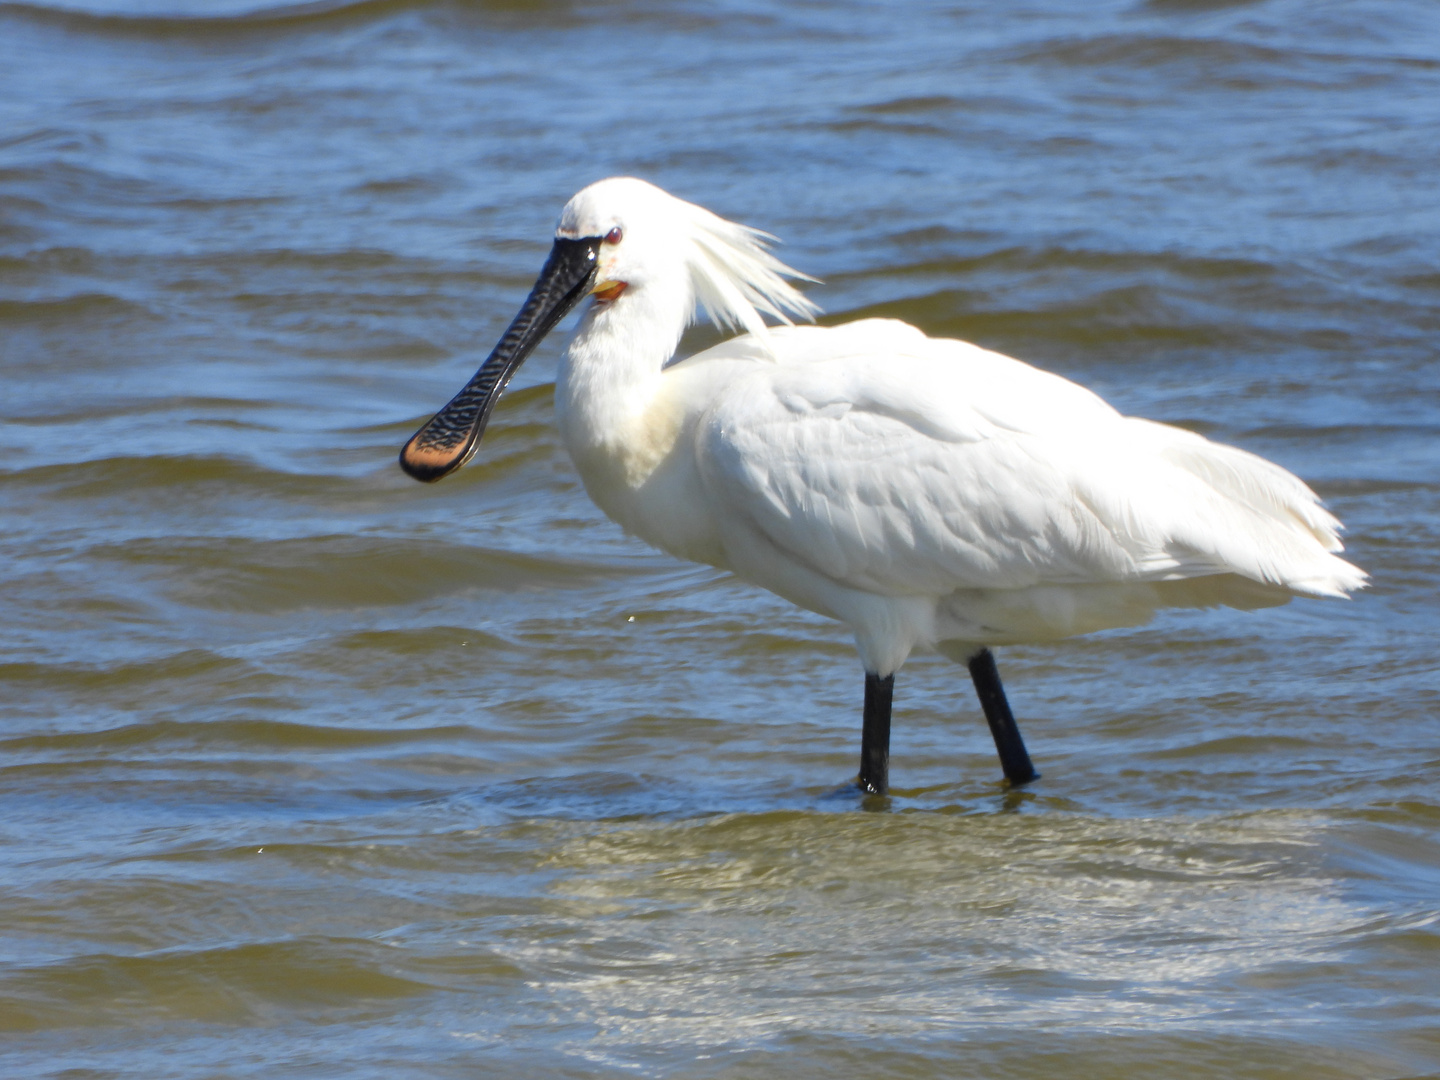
(639, 466)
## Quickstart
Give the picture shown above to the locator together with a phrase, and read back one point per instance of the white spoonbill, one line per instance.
(924, 492)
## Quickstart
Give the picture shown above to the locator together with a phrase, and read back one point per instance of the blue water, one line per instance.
(306, 769)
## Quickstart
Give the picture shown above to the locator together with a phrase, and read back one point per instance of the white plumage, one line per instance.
(927, 493)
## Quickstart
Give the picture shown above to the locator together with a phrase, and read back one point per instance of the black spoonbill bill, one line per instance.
(923, 492)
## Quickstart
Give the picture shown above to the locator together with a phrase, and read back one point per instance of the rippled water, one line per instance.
(310, 770)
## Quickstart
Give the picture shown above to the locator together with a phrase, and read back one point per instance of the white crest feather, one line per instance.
(737, 281)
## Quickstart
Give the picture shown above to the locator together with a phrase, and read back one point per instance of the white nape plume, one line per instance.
(737, 280)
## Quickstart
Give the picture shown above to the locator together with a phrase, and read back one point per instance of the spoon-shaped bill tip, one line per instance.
(428, 459)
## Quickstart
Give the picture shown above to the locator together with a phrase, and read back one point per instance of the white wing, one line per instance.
(906, 466)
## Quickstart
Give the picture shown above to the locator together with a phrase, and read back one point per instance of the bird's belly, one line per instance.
(1044, 613)
(888, 626)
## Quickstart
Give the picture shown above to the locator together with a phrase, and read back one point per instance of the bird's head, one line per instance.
(650, 241)
(636, 228)
(640, 252)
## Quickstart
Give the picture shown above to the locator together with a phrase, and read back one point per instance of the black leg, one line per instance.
(875, 735)
(1013, 757)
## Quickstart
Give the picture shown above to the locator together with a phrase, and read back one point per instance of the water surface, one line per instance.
(310, 770)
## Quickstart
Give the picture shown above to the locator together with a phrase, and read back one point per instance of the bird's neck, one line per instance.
(606, 395)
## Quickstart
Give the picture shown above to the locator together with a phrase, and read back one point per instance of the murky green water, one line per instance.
(308, 770)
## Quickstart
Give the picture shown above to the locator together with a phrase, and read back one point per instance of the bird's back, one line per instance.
(901, 465)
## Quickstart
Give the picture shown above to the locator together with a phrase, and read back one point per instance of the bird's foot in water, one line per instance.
(851, 788)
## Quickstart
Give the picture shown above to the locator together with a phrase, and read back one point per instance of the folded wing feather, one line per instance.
(898, 464)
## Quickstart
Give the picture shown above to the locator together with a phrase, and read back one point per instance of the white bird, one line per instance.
(926, 493)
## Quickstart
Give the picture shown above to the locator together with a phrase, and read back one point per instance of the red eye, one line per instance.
(614, 236)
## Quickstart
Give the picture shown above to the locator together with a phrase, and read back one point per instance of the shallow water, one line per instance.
(310, 770)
